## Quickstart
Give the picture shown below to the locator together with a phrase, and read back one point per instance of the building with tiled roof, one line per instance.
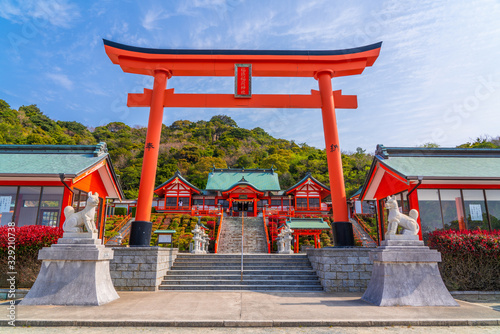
(38, 181)
(452, 188)
(237, 190)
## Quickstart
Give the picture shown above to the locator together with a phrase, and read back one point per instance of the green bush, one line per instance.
(120, 211)
(132, 211)
(470, 259)
(28, 241)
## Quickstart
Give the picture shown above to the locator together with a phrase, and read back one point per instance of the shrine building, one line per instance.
(38, 181)
(249, 191)
(451, 188)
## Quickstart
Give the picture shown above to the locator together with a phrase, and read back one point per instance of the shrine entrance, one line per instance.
(162, 64)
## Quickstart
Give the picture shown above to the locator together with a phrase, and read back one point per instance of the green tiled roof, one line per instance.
(261, 179)
(441, 162)
(307, 224)
(445, 166)
(357, 192)
(49, 159)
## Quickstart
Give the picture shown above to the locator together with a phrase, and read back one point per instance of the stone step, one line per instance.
(234, 267)
(238, 282)
(221, 264)
(302, 288)
(238, 256)
(235, 260)
(261, 272)
(254, 235)
(246, 271)
(246, 277)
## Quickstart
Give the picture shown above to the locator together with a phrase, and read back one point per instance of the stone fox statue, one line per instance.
(408, 223)
(75, 221)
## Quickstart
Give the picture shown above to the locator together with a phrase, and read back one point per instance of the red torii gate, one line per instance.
(162, 64)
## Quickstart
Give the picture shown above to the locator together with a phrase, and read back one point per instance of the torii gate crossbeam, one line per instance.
(164, 63)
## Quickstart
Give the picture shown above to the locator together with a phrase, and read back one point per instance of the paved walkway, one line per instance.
(248, 309)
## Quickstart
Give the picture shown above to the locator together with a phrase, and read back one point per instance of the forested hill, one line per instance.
(193, 148)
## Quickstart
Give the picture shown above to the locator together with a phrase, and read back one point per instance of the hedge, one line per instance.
(470, 259)
(28, 241)
(120, 211)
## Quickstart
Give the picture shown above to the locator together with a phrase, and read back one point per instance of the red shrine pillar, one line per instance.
(140, 234)
(342, 228)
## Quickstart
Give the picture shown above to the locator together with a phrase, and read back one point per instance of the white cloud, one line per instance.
(59, 13)
(61, 79)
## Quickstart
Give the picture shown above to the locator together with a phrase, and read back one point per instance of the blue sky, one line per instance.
(437, 78)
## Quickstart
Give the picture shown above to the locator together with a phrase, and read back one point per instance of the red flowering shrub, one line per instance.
(28, 240)
(470, 259)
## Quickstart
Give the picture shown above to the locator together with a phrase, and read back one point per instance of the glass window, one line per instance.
(276, 202)
(314, 202)
(50, 206)
(301, 202)
(451, 205)
(79, 199)
(493, 199)
(367, 207)
(223, 203)
(28, 211)
(210, 202)
(171, 201)
(475, 209)
(7, 204)
(198, 201)
(183, 201)
(262, 203)
(430, 211)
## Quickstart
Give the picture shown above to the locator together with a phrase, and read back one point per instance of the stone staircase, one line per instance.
(261, 272)
(254, 236)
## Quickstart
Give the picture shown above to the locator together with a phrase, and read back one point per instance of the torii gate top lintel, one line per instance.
(265, 63)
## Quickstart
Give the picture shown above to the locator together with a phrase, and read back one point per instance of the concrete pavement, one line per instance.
(249, 309)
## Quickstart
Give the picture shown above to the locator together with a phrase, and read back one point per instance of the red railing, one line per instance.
(172, 208)
(216, 248)
(265, 229)
(290, 212)
(361, 223)
(195, 211)
(363, 226)
(119, 226)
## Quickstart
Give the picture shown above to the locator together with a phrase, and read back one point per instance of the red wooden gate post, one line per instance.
(140, 234)
(342, 228)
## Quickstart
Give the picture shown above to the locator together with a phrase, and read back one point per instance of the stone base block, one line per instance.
(406, 276)
(73, 275)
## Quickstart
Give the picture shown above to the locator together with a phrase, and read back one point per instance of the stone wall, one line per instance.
(342, 269)
(140, 268)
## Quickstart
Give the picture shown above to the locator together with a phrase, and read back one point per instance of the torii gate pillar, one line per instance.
(162, 63)
(342, 228)
(140, 231)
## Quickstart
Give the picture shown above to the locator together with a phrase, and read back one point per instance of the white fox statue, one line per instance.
(408, 223)
(75, 221)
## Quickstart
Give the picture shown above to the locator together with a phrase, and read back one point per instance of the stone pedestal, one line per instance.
(405, 273)
(75, 271)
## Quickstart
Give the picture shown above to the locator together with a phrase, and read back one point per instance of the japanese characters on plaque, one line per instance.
(243, 80)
